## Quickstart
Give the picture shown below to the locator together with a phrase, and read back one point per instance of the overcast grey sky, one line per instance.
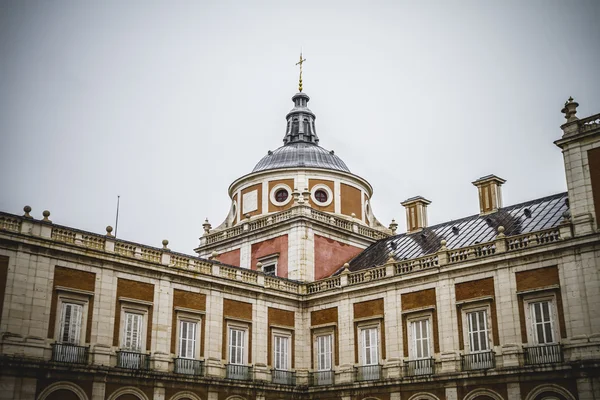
(166, 103)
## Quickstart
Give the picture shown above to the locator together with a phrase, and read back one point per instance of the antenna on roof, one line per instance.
(117, 219)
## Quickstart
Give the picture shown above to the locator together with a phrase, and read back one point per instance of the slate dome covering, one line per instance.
(301, 154)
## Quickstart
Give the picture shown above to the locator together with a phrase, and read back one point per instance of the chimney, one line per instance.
(416, 213)
(490, 193)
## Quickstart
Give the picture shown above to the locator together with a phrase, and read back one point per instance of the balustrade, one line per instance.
(189, 366)
(482, 360)
(238, 372)
(545, 354)
(132, 360)
(283, 377)
(69, 353)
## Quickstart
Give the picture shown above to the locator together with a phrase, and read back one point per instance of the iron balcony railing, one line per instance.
(475, 361)
(239, 372)
(283, 377)
(69, 353)
(189, 366)
(544, 354)
(132, 360)
(424, 366)
(367, 373)
(321, 378)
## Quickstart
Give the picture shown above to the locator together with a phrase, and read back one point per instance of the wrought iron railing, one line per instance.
(545, 354)
(425, 366)
(321, 378)
(132, 360)
(367, 373)
(189, 366)
(283, 377)
(474, 361)
(239, 372)
(69, 353)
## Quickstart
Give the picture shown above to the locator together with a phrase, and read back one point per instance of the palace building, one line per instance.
(301, 293)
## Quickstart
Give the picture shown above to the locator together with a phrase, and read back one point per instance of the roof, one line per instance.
(301, 154)
(531, 216)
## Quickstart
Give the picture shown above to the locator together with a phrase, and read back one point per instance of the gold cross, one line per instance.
(300, 64)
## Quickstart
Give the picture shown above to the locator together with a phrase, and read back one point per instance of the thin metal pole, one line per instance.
(117, 220)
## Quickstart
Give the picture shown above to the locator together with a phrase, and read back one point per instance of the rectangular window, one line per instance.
(270, 269)
(478, 331)
(132, 337)
(324, 352)
(281, 352)
(542, 322)
(421, 339)
(70, 323)
(237, 342)
(187, 339)
(369, 338)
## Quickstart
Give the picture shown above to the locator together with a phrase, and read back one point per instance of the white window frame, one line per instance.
(127, 308)
(72, 298)
(287, 362)
(275, 189)
(412, 350)
(528, 303)
(268, 261)
(324, 188)
(331, 336)
(189, 318)
(473, 308)
(241, 327)
(362, 349)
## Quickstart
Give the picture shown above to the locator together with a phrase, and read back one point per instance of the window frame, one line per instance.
(190, 318)
(277, 188)
(66, 297)
(281, 333)
(241, 327)
(417, 317)
(331, 335)
(324, 188)
(272, 259)
(465, 310)
(132, 308)
(362, 355)
(528, 302)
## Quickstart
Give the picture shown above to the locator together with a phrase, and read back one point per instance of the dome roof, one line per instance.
(298, 155)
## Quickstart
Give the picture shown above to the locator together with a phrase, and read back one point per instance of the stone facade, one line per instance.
(455, 324)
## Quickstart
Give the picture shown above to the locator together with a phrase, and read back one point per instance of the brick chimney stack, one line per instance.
(416, 213)
(490, 193)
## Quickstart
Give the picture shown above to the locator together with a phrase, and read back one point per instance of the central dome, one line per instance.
(298, 155)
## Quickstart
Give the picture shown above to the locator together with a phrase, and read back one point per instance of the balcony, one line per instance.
(545, 354)
(475, 361)
(133, 360)
(69, 353)
(322, 378)
(238, 372)
(283, 377)
(367, 373)
(425, 366)
(189, 366)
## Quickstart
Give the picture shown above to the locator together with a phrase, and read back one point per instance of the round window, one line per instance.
(281, 195)
(321, 196)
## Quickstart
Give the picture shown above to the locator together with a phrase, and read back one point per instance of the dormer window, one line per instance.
(269, 264)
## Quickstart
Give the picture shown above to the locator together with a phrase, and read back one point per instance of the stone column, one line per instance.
(213, 339)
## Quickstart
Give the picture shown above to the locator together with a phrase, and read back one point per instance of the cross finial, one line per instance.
(300, 64)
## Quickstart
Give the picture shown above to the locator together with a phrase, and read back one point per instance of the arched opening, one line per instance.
(63, 391)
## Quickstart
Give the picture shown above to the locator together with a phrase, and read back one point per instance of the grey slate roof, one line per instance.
(301, 154)
(531, 216)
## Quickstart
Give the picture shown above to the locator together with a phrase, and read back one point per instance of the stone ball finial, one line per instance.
(346, 269)
(214, 255)
(46, 214)
(259, 266)
(500, 229)
(27, 210)
(165, 243)
(109, 230)
(443, 243)
(353, 215)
